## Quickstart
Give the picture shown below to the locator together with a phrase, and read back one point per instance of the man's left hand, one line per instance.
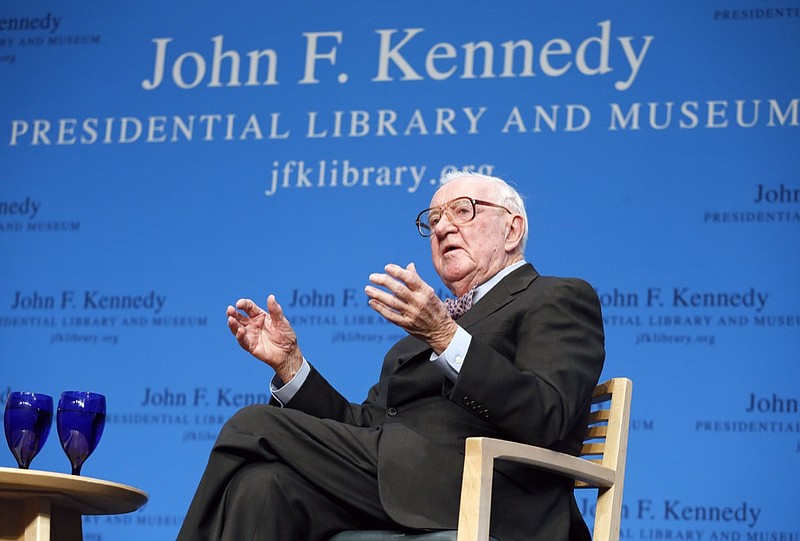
(409, 302)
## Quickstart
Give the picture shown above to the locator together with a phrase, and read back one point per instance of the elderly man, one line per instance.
(520, 364)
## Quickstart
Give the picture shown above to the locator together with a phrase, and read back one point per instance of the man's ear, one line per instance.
(514, 233)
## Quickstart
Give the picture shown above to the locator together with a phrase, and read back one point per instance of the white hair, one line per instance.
(507, 195)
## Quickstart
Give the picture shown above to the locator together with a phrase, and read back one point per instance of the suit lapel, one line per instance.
(500, 295)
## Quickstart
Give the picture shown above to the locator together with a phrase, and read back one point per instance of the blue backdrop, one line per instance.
(160, 160)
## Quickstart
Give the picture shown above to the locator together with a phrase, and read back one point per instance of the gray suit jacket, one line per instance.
(536, 355)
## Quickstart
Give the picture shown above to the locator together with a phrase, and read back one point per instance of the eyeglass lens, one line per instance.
(459, 211)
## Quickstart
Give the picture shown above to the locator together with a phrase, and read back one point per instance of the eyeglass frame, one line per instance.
(446, 211)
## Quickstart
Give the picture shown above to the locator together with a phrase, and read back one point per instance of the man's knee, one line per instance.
(253, 481)
(253, 413)
(252, 419)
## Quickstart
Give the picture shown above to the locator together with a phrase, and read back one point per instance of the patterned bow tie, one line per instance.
(458, 307)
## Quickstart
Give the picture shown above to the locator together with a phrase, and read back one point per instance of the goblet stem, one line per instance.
(26, 448)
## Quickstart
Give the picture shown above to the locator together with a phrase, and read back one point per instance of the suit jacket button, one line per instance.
(466, 401)
(391, 412)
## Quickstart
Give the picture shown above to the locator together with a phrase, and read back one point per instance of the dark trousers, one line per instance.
(282, 475)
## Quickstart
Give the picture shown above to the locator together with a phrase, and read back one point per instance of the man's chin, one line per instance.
(452, 277)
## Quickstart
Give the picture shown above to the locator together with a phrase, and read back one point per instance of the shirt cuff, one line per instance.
(452, 358)
(283, 392)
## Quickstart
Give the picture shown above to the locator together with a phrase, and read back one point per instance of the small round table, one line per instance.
(40, 505)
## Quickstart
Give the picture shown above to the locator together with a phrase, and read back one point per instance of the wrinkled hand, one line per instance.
(267, 335)
(407, 301)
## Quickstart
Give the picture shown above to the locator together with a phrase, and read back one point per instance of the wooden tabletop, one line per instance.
(85, 494)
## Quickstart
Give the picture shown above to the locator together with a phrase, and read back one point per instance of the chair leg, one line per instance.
(476, 493)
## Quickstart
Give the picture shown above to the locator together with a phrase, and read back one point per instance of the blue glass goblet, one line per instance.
(80, 420)
(27, 421)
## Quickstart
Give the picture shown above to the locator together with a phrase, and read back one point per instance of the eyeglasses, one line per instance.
(459, 211)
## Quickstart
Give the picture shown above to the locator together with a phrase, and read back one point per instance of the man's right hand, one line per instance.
(267, 335)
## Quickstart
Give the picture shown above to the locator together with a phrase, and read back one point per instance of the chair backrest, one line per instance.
(606, 443)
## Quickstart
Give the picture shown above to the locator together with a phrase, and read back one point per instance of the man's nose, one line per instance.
(444, 225)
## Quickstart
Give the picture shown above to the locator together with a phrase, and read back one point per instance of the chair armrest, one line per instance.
(476, 489)
(571, 466)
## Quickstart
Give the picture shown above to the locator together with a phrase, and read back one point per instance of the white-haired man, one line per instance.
(520, 363)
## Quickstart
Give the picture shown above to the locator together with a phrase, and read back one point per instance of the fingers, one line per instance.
(383, 302)
(234, 319)
(238, 320)
(249, 307)
(246, 310)
(393, 293)
(388, 313)
(392, 299)
(397, 280)
(273, 308)
(406, 275)
(402, 287)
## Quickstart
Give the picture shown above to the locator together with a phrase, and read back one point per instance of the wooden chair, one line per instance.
(601, 466)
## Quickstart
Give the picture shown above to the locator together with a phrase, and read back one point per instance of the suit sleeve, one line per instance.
(319, 398)
(531, 369)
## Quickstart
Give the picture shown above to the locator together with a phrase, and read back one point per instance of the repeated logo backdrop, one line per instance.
(159, 161)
